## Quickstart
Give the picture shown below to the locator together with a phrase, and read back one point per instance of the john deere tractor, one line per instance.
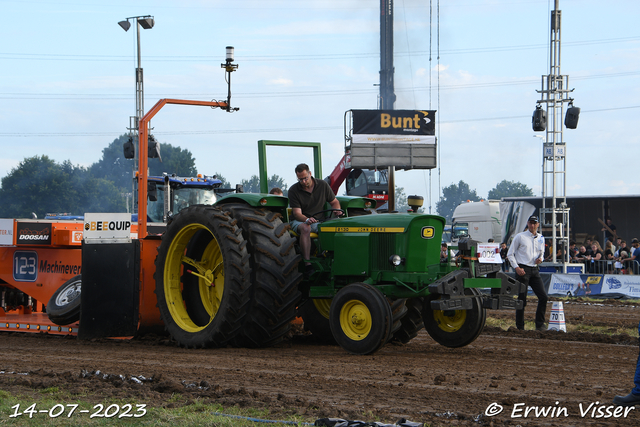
(231, 273)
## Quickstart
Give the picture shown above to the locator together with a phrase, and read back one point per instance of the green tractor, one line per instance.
(231, 274)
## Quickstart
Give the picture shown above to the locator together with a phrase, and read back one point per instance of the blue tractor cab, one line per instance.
(169, 194)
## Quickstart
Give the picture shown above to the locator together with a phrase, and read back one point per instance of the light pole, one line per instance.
(146, 22)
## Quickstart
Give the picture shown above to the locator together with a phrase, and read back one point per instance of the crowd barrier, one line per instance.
(611, 267)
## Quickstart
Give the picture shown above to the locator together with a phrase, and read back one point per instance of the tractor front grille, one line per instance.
(382, 247)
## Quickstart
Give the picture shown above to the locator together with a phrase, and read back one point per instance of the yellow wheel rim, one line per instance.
(450, 323)
(355, 320)
(209, 270)
(323, 306)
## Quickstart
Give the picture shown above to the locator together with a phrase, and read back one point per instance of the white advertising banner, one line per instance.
(594, 284)
(565, 284)
(625, 284)
(370, 138)
(107, 227)
(6, 232)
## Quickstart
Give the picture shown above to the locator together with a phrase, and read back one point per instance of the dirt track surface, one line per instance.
(421, 381)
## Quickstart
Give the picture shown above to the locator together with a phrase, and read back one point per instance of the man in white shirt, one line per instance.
(525, 253)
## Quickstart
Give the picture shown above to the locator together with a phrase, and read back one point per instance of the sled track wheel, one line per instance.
(63, 307)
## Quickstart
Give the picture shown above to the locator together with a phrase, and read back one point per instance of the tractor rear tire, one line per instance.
(360, 318)
(274, 292)
(63, 307)
(202, 242)
(412, 322)
(315, 315)
(455, 328)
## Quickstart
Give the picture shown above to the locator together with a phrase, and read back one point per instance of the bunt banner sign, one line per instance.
(414, 126)
(404, 139)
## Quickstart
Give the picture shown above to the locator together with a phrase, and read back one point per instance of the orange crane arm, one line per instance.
(143, 147)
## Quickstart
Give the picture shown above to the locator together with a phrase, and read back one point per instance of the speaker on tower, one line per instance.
(539, 119)
(571, 119)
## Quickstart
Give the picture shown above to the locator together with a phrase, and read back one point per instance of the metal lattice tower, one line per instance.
(555, 93)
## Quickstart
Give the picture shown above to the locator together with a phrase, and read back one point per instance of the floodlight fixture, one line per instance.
(146, 22)
(125, 24)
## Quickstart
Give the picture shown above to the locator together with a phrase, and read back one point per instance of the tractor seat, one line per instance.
(293, 233)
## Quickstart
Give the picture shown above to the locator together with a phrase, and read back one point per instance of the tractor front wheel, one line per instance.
(360, 318)
(455, 328)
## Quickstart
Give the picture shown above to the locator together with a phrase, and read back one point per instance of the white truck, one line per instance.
(490, 219)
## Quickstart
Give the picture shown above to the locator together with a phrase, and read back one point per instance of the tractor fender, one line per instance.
(272, 202)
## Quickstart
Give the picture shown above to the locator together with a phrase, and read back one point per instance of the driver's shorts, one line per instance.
(295, 223)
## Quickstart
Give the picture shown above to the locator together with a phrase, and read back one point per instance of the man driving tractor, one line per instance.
(307, 197)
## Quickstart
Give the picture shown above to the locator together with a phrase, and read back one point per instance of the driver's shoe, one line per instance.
(308, 271)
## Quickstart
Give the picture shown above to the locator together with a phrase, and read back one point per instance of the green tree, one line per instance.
(252, 185)
(40, 185)
(509, 189)
(452, 196)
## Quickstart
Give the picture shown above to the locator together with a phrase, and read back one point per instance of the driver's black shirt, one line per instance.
(313, 202)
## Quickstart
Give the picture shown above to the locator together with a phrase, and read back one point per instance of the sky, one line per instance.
(67, 83)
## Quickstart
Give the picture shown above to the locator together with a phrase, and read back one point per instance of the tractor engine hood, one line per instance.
(364, 244)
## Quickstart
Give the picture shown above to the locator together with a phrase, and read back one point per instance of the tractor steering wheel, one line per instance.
(325, 211)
